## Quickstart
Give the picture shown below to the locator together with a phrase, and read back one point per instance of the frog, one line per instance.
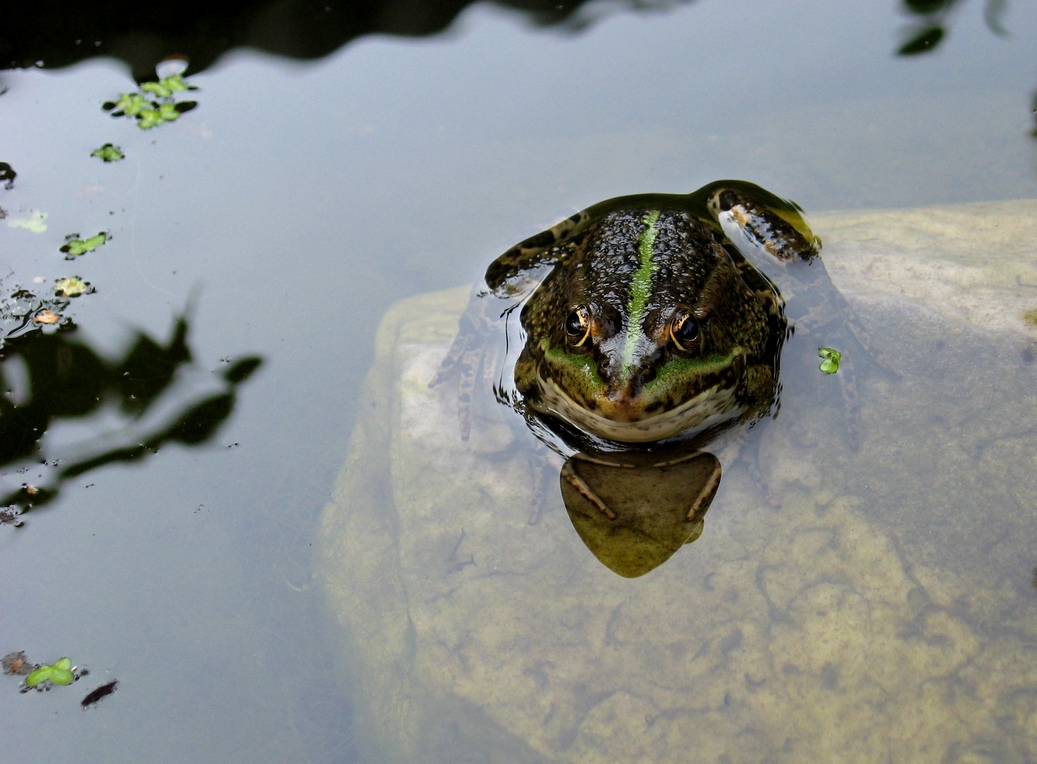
(650, 324)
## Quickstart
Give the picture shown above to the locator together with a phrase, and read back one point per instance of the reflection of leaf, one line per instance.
(242, 369)
(198, 424)
(7, 175)
(149, 369)
(141, 387)
(923, 42)
(992, 13)
(927, 7)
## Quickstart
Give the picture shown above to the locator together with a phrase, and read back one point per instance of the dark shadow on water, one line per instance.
(63, 33)
(50, 377)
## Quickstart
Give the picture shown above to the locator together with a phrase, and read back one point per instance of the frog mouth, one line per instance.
(631, 424)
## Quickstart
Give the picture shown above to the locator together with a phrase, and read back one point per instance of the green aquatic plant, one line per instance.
(74, 247)
(830, 362)
(108, 153)
(149, 118)
(72, 286)
(34, 221)
(153, 104)
(129, 104)
(60, 672)
(166, 86)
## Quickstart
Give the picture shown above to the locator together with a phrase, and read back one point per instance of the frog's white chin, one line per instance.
(707, 409)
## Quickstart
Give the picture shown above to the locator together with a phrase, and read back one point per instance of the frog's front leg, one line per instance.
(767, 223)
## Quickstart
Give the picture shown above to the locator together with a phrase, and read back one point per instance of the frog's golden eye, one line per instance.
(578, 326)
(684, 330)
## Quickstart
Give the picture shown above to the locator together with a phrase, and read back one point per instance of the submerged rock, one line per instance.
(884, 611)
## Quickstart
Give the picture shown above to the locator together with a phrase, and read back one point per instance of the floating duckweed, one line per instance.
(35, 221)
(154, 103)
(130, 104)
(71, 286)
(60, 672)
(108, 153)
(831, 356)
(74, 247)
(166, 86)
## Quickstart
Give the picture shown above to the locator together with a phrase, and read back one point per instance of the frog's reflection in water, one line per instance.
(634, 511)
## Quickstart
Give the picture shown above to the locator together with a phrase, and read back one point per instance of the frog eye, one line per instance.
(684, 330)
(578, 326)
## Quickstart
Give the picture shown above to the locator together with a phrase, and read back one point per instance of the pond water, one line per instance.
(281, 217)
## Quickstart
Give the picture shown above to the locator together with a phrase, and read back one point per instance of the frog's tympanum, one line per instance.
(651, 324)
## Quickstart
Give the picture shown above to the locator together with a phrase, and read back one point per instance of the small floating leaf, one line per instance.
(39, 676)
(35, 222)
(46, 316)
(61, 672)
(831, 356)
(108, 153)
(130, 104)
(156, 88)
(149, 118)
(74, 247)
(71, 287)
(168, 112)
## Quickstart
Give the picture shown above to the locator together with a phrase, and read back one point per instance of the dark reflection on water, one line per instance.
(930, 19)
(635, 514)
(63, 379)
(64, 33)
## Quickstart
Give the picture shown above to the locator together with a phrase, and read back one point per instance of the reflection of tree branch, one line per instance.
(930, 27)
(68, 379)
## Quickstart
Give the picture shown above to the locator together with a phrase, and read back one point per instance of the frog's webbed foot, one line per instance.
(752, 216)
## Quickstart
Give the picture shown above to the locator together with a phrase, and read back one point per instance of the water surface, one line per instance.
(283, 215)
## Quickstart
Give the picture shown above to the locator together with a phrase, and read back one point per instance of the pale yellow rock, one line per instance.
(883, 613)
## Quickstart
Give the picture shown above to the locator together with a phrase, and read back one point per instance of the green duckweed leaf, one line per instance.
(159, 89)
(168, 112)
(130, 104)
(176, 83)
(108, 153)
(61, 676)
(35, 221)
(39, 676)
(74, 247)
(830, 362)
(71, 286)
(149, 118)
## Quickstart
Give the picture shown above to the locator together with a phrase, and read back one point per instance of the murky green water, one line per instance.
(282, 216)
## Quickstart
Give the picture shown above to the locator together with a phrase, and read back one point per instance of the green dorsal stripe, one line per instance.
(640, 289)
